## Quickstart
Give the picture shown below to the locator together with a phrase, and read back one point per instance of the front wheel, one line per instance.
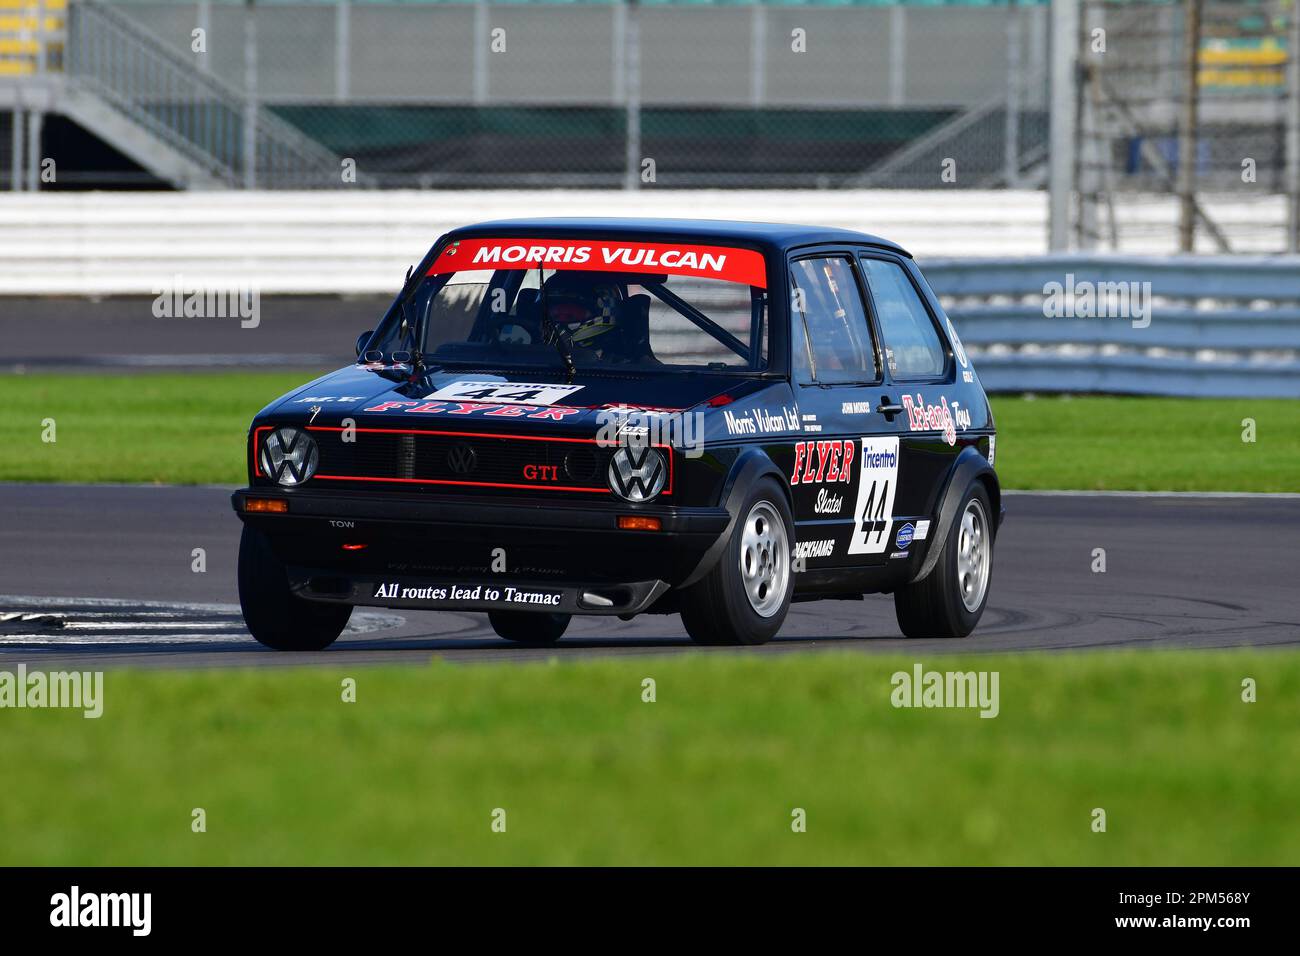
(528, 627)
(745, 597)
(276, 616)
(949, 601)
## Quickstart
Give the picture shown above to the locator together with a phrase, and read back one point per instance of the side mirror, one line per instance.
(362, 339)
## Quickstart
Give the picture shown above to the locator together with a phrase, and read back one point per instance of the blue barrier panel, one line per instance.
(1139, 375)
(1223, 277)
(1182, 325)
(1174, 327)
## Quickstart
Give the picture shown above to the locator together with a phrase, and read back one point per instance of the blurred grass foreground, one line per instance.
(575, 766)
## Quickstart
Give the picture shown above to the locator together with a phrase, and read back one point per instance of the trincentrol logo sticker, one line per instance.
(873, 513)
(729, 263)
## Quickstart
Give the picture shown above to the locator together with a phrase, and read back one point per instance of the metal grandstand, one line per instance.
(886, 94)
(449, 94)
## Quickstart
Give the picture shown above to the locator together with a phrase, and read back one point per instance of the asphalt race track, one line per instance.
(1181, 571)
(121, 332)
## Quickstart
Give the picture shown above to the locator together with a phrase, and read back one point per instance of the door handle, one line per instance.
(888, 408)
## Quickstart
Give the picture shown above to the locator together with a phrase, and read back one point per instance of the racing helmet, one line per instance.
(585, 303)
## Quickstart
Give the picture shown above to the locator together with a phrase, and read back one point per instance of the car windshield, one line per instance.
(503, 303)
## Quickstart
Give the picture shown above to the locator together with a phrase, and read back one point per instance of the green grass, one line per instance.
(1147, 444)
(167, 428)
(190, 429)
(587, 773)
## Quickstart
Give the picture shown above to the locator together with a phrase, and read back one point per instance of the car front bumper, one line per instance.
(449, 553)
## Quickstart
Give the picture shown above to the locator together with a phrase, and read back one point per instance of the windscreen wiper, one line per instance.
(407, 331)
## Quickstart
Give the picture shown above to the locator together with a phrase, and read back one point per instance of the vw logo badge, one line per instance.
(462, 459)
(289, 456)
(637, 472)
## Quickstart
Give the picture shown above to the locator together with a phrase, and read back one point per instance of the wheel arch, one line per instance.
(969, 466)
(751, 465)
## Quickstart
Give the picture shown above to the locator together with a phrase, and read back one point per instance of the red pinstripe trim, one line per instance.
(257, 470)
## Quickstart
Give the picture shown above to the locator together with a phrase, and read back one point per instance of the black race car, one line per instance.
(588, 416)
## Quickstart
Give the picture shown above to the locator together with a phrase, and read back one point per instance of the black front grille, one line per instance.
(451, 459)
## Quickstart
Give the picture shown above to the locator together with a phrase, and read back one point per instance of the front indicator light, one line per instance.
(266, 505)
(639, 523)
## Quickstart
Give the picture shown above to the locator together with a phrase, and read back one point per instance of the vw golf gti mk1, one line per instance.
(621, 417)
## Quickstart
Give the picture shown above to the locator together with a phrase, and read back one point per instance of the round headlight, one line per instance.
(289, 456)
(637, 472)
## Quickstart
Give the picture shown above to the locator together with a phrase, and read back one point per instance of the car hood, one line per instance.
(377, 397)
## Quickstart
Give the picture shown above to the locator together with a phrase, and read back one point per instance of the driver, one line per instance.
(586, 307)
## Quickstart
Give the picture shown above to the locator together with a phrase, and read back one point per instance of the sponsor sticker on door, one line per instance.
(873, 512)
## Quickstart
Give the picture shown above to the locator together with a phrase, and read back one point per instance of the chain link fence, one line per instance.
(527, 94)
(1204, 77)
(936, 94)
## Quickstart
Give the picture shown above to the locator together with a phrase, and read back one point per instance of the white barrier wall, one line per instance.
(341, 242)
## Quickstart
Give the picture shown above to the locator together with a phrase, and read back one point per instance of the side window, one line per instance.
(830, 322)
(800, 356)
(911, 344)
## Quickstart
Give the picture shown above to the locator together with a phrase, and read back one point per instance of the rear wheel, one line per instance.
(745, 597)
(949, 601)
(524, 627)
(274, 614)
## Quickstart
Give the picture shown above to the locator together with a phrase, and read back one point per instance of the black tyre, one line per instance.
(526, 627)
(274, 615)
(745, 597)
(949, 601)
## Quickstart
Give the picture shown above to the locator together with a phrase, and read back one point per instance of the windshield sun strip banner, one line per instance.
(727, 263)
